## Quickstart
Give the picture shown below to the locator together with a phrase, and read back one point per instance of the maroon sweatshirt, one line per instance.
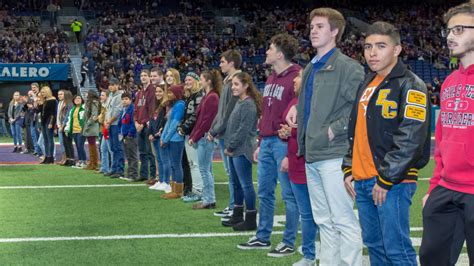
(145, 105)
(278, 93)
(205, 114)
(296, 164)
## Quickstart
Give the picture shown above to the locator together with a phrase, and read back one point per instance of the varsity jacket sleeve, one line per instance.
(409, 139)
(351, 84)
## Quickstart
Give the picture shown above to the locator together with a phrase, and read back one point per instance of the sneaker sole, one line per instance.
(277, 255)
(249, 248)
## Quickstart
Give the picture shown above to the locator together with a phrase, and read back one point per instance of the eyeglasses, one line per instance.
(457, 30)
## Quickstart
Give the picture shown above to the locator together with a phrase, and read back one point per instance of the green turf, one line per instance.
(122, 211)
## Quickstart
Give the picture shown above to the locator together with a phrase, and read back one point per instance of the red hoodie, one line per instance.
(145, 104)
(454, 152)
(278, 93)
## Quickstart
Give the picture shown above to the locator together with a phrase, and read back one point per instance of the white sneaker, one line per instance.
(78, 165)
(305, 262)
(123, 178)
(167, 188)
(157, 186)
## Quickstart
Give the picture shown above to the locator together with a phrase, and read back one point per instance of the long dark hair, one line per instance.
(92, 97)
(252, 91)
(162, 103)
(216, 80)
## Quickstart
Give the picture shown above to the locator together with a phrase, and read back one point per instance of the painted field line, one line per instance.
(128, 237)
(72, 186)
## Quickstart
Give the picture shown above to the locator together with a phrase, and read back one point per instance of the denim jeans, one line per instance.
(333, 212)
(104, 156)
(166, 164)
(147, 160)
(241, 173)
(79, 141)
(3, 127)
(309, 229)
(225, 159)
(194, 167)
(159, 159)
(17, 133)
(386, 228)
(48, 135)
(272, 152)
(176, 157)
(34, 138)
(205, 151)
(41, 143)
(116, 147)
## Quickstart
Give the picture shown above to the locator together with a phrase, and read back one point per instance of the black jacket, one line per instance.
(398, 126)
(157, 123)
(190, 118)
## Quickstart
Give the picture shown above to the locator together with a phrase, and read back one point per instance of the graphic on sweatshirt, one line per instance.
(458, 99)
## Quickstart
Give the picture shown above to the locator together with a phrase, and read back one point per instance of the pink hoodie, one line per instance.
(454, 152)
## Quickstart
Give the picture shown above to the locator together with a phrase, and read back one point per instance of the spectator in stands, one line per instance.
(230, 63)
(112, 116)
(211, 83)
(145, 102)
(193, 182)
(90, 129)
(278, 93)
(15, 118)
(48, 123)
(84, 70)
(173, 142)
(240, 144)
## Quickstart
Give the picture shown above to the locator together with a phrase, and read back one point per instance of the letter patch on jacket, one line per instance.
(416, 97)
(389, 108)
(415, 112)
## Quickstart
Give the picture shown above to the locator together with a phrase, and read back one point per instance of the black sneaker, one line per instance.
(225, 212)
(15, 150)
(254, 243)
(116, 176)
(281, 250)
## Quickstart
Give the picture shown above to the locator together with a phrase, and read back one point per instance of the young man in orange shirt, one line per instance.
(389, 141)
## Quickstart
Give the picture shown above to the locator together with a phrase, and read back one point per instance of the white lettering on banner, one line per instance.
(24, 72)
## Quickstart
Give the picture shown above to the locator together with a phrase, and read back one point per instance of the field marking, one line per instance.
(73, 186)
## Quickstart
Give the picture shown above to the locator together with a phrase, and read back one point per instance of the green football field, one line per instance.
(54, 215)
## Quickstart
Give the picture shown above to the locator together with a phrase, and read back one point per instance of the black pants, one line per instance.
(83, 75)
(446, 215)
(187, 179)
(68, 148)
(28, 139)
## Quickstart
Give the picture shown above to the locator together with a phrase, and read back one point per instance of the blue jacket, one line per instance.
(170, 132)
(126, 122)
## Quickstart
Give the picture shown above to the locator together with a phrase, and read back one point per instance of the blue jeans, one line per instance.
(16, 133)
(3, 127)
(116, 148)
(79, 141)
(205, 151)
(272, 152)
(175, 150)
(41, 142)
(147, 160)
(225, 159)
(166, 164)
(34, 138)
(159, 159)
(48, 135)
(386, 228)
(241, 172)
(309, 229)
(104, 156)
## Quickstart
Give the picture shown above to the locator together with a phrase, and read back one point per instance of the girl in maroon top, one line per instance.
(211, 82)
(295, 166)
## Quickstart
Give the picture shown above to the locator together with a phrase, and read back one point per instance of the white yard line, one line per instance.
(73, 186)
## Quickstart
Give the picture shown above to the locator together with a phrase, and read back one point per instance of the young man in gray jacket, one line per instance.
(329, 86)
(112, 115)
(230, 64)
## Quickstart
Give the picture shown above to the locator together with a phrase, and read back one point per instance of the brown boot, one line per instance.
(93, 158)
(172, 183)
(177, 193)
